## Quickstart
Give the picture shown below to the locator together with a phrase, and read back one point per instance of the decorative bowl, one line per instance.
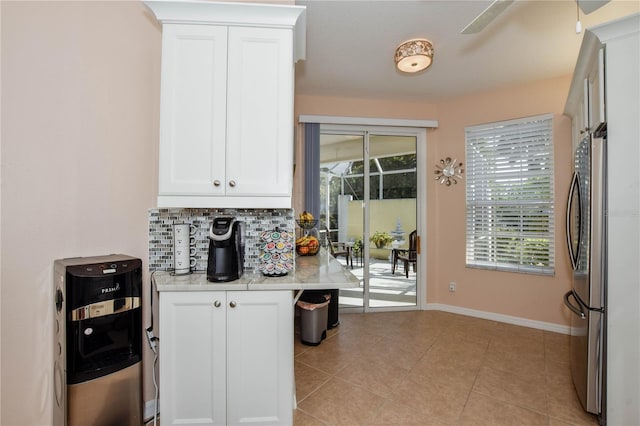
(307, 224)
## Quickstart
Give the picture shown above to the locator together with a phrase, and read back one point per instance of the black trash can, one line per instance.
(313, 317)
(332, 317)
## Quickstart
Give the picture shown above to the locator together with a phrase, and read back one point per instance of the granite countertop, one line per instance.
(321, 271)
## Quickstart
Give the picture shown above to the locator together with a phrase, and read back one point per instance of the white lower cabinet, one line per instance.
(226, 357)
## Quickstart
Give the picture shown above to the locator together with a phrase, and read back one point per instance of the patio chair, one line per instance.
(340, 249)
(406, 256)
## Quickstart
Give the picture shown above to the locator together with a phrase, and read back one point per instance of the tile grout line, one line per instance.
(475, 379)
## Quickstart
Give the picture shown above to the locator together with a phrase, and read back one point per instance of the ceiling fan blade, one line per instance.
(488, 15)
(588, 6)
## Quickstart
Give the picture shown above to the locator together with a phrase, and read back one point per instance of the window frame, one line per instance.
(503, 233)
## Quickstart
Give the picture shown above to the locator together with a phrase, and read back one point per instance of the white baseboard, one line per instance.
(540, 325)
(149, 406)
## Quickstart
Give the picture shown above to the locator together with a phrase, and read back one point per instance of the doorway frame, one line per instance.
(417, 129)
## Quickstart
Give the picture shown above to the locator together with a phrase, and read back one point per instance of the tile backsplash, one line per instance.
(161, 223)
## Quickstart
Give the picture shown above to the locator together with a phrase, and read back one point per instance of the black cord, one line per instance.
(151, 282)
(153, 341)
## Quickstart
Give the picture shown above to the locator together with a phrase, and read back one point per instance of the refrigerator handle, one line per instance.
(575, 310)
(574, 186)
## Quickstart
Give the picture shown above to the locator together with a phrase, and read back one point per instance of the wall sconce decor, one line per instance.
(448, 171)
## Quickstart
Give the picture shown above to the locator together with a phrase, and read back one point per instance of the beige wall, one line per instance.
(531, 297)
(80, 105)
(528, 296)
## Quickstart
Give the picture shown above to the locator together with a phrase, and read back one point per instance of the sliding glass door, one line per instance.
(370, 195)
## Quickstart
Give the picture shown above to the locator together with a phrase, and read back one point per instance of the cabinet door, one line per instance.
(192, 358)
(597, 92)
(193, 110)
(260, 112)
(584, 108)
(260, 357)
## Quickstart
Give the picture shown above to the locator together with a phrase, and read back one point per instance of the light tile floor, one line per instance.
(435, 368)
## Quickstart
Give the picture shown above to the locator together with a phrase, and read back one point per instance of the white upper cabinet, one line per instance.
(586, 102)
(226, 104)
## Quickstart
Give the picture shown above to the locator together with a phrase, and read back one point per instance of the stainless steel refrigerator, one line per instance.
(586, 241)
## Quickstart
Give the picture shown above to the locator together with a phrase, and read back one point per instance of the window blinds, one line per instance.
(510, 196)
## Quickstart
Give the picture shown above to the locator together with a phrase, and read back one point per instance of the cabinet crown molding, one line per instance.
(235, 14)
(594, 38)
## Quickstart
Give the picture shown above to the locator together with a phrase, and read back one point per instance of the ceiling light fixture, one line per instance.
(414, 55)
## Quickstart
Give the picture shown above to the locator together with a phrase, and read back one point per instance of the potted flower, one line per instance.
(381, 239)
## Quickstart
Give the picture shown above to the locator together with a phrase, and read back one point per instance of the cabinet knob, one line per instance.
(232, 183)
(233, 304)
(217, 303)
(216, 182)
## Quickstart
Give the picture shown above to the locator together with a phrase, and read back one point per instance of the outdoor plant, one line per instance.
(381, 239)
(357, 246)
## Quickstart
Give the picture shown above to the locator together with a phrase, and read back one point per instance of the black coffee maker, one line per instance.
(226, 250)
